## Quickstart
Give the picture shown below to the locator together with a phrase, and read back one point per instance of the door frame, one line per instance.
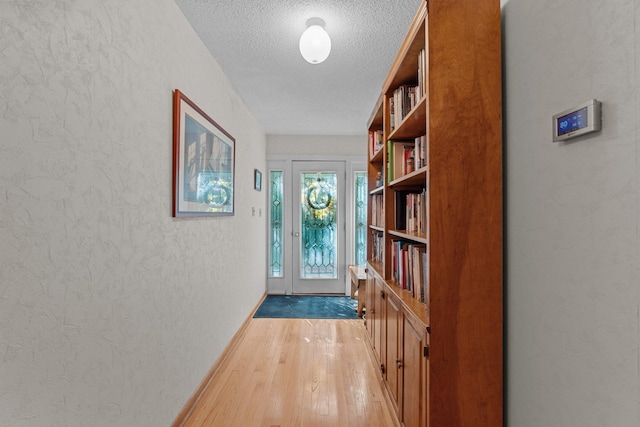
(284, 284)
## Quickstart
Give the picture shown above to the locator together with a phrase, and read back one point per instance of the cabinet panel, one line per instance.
(379, 329)
(369, 303)
(415, 376)
(375, 316)
(394, 325)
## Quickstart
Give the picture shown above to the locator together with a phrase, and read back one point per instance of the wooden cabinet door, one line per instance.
(394, 318)
(415, 362)
(369, 303)
(379, 329)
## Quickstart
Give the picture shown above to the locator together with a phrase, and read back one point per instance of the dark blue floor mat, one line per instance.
(307, 307)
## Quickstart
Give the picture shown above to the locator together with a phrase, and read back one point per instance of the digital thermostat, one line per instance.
(579, 120)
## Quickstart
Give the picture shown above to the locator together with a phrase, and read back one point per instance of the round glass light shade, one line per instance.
(315, 44)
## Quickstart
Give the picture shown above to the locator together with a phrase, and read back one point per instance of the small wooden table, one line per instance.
(358, 285)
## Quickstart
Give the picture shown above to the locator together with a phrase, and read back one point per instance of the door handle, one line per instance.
(295, 234)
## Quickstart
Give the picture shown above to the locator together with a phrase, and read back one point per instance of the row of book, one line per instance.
(405, 156)
(411, 212)
(376, 142)
(399, 158)
(422, 72)
(420, 151)
(402, 101)
(417, 150)
(377, 210)
(377, 246)
(410, 268)
(406, 97)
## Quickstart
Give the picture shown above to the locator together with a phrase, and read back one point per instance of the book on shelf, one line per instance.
(392, 114)
(410, 211)
(396, 246)
(420, 151)
(376, 142)
(377, 246)
(403, 100)
(416, 212)
(400, 158)
(403, 158)
(406, 97)
(405, 277)
(417, 269)
(377, 210)
(422, 73)
(399, 259)
(389, 165)
(424, 288)
(408, 267)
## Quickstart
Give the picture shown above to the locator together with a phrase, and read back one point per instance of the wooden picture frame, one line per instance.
(257, 180)
(203, 162)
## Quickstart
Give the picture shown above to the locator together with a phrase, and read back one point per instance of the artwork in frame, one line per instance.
(203, 162)
(257, 180)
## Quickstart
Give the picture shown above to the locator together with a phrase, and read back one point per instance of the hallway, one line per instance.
(296, 372)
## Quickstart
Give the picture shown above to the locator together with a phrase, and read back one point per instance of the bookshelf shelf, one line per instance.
(415, 237)
(377, 157)
(434, 275)
(413, 124)
(413, 179)
(376, 190)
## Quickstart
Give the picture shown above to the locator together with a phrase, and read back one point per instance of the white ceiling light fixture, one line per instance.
(315, 43)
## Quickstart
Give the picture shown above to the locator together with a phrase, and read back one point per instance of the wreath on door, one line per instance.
(319, 196)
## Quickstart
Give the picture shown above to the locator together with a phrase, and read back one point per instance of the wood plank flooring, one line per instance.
(296, 373)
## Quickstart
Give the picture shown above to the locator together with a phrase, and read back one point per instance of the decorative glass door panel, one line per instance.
(276, 217)
(360, 220)
(318, 233)
(318, 195)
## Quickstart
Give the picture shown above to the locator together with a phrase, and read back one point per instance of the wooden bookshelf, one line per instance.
(441, 358)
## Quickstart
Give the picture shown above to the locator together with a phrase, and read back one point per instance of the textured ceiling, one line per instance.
(256, 44)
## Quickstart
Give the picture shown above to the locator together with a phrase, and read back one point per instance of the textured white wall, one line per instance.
(315, 145)
(572, 215)
(111, 311)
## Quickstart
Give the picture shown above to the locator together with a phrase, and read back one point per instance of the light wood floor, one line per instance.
(296, 372)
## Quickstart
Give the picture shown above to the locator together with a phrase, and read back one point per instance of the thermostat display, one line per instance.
(582, 119)
(573, 121)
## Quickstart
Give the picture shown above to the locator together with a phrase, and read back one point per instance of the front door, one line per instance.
(318, 220)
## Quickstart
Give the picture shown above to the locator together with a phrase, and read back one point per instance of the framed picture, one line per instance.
(203, 162)
(257, 180)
